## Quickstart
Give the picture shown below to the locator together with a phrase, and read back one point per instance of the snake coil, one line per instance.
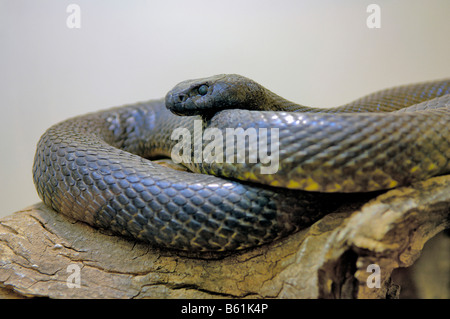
(95, 167)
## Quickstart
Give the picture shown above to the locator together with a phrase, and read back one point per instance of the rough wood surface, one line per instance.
(39, 250)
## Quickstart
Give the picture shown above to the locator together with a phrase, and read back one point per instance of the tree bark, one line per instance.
(43, 253)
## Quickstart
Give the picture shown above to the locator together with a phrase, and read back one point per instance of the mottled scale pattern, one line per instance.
(387, 100)
(80, 171)
(94, 167)
(348, 152)
(387, 139)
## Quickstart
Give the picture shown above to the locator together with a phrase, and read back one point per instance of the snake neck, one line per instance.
(275, 102)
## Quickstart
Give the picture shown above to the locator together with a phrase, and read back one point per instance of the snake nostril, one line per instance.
(182, 97)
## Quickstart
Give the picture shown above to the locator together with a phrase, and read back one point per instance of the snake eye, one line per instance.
(203, 89)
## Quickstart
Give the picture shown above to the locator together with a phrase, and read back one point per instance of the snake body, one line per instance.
(95, 167)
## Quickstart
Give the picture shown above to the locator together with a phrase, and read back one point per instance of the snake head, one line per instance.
(207, 96)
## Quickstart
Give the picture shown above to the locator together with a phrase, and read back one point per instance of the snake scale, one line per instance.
(96, 168)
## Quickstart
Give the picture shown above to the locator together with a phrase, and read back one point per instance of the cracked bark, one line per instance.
(327, 260)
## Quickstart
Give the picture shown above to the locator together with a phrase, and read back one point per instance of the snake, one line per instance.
(98, 168)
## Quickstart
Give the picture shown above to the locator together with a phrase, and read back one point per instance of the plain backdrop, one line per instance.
(318, 53)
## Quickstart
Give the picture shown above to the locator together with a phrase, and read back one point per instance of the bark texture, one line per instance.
(43, 253)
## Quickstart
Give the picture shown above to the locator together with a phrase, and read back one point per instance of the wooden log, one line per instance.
(350, 253)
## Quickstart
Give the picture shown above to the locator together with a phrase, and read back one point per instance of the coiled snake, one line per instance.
(94, 167)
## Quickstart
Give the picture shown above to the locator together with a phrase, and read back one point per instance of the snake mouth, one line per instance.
(181, 104)
(190, 103)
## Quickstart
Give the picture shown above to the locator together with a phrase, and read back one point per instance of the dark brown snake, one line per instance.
(95, 167)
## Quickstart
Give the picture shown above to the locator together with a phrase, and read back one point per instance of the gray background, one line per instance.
(313, 52)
